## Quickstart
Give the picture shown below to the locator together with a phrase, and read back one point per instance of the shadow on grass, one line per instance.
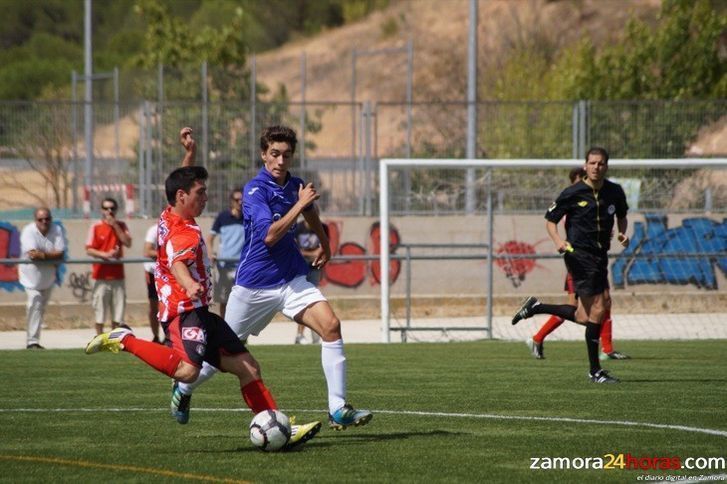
(338, 439)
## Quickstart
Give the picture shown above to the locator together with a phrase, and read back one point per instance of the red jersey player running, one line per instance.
(183, 280)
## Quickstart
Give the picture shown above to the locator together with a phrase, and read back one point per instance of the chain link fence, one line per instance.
(135, 144)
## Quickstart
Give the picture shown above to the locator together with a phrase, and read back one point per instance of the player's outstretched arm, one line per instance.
(190, 146)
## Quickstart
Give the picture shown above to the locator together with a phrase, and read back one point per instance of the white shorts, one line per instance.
(249, 311)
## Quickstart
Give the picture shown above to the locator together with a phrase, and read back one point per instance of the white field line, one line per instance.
(626, 423)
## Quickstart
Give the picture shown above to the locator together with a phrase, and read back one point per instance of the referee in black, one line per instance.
(590, 206)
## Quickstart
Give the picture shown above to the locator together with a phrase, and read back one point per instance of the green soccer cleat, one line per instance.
(111, 341)
(347, 416)
(300, 434)
(614, 355)
(180, 404)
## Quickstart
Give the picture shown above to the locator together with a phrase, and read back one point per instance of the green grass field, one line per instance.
(458, 412)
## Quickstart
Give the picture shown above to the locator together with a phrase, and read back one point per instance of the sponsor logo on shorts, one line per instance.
(552, 207)
(611, 209)
(582, 204)
(194, 334)
(200, 349)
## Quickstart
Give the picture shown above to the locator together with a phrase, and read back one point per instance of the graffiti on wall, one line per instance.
(9, 249)
(516, 269)
(80, 285)
(657, 247)
(353, 273)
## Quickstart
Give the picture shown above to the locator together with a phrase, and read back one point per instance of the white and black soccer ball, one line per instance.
(270, 430)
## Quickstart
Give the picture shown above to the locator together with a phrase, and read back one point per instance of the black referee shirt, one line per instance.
(590, 214)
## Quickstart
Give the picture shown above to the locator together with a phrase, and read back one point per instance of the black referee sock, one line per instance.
(593, 334)
(565, 311)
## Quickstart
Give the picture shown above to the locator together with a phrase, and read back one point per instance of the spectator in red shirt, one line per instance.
(106, 241)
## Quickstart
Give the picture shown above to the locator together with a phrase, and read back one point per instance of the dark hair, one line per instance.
(279, 134)
(236, 190)
(577, 172)
(597, 150)
(183, 179)
(110, 200)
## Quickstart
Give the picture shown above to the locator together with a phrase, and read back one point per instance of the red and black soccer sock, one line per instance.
(593, 333)
(550, 325)
(606, 333)
(258, 397)
(159, 357)
(565, 311)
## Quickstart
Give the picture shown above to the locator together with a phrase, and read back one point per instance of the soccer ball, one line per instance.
(270, 430)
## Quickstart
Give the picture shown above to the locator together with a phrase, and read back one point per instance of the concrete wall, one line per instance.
(513, 234)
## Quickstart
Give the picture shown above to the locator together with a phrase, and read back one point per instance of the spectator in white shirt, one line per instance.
(39, 241)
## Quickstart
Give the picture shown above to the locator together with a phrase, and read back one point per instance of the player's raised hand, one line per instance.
(190, 145)
(185, 137)
(307, 194)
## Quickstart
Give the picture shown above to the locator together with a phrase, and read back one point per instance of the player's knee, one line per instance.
(331, 328)
(186, 373)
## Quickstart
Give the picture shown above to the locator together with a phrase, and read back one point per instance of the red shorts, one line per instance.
(199, 335)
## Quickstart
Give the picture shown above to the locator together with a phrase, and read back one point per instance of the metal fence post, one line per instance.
(253, 105)
(470, 193)
(143, 186)
(301, 150)
(582, 128)
(353, 104)
(205, 107)
(117, 150)
(74, 140)
(490, 261)
(408, 293)
(160, 126)
(368, 164)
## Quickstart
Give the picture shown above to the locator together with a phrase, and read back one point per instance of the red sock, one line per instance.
(159, 357)
(258, 397)
(606, 333)
(549, 326)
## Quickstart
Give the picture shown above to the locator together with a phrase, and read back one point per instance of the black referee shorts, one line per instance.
(589, 271)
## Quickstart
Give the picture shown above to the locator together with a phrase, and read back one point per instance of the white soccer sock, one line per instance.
(334, 367)
(207, 372)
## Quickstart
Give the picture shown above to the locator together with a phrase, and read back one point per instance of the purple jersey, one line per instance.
(265, 202)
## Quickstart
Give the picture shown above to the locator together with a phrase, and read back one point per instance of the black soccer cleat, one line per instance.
(602, 376)
(525, 311)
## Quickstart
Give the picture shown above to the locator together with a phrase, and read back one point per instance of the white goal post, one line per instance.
(497, 164)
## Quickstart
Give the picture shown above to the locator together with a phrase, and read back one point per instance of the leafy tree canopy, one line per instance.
(682, 57)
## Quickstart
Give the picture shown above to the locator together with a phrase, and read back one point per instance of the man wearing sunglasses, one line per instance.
(39, 241)
(106, 241)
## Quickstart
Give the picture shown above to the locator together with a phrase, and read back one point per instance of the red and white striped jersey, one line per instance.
(180, 240)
